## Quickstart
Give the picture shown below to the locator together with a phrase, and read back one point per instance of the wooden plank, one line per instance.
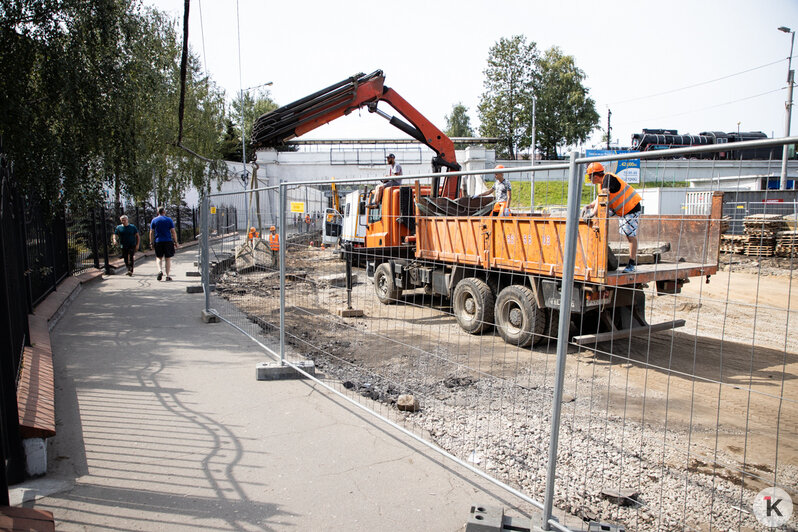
(587, 339)
(15, 519)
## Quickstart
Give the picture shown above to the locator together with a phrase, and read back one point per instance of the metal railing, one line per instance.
(671, 428)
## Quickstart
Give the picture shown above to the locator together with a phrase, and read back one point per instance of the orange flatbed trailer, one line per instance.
(534, 245)
(506, 270)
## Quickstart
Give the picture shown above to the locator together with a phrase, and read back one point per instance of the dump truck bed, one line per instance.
(534, 245)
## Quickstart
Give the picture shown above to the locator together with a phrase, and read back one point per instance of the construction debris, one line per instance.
(787, 244)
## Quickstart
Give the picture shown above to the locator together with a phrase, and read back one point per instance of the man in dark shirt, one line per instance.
(127, 236)
(164, 241)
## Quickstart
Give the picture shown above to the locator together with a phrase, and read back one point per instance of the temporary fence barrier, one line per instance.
(661, 398)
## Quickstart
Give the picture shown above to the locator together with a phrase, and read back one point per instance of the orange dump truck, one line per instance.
(507, 271)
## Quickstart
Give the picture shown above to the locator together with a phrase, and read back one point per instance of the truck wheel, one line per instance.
(473, 302)
(518, 318)
(387, 292)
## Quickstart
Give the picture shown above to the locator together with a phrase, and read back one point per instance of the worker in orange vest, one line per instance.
(307, 222)
(253, 234)
(624, 202)
(274, 245)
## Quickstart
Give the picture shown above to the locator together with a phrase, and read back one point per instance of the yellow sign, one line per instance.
(297, 206)
(213, 210)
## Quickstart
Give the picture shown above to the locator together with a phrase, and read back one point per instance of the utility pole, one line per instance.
(790, 79)
(609, 128)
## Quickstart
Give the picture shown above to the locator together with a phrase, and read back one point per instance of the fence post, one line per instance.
(95, 252)
(282, 271)
(104, 223)
(51, 249)
(179, 226)
(204, 252)
(569, 261)
(194, 223)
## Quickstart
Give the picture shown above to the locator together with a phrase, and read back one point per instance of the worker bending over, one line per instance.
(623, 201)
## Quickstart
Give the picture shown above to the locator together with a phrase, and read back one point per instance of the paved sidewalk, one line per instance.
(161, 425)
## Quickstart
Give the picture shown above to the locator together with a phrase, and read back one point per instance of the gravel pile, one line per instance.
(609, 469)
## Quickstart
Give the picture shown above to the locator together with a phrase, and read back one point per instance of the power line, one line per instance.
(637, 98)
(202, 34)
(705, 108)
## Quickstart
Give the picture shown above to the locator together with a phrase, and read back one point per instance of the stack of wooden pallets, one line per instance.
(787, 244)
(761, 231)
(733, 243)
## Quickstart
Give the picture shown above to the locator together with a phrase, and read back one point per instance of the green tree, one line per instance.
(458, 124)
(565, 112)
(90, 100)
(510, 79)
(253, 107)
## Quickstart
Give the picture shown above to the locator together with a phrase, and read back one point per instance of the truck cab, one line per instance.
(392, 223)
(354, 219)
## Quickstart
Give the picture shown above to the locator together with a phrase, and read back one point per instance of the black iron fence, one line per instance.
(15, 304)
(90, 233)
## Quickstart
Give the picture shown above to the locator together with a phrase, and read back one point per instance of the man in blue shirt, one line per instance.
(163, 239)
(127, 236)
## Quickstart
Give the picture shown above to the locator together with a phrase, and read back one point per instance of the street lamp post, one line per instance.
(244, 173)
(243, 137)
(790, 78)
(532, 162)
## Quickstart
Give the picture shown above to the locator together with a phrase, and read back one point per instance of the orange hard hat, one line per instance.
(272, 228)
(593, 168)
(251, 229)
(499, 166)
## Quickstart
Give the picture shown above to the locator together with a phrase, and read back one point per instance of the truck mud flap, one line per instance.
(620, 334)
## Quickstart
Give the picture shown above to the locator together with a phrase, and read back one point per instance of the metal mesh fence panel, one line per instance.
(679, 400)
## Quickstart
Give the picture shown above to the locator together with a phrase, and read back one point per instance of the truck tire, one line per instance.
(518, 318)
(473, 302)
(384, 285)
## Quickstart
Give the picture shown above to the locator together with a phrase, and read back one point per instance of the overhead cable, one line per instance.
(704, 108)
(637, 98)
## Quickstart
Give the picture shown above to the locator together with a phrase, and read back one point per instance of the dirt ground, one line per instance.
(725, 384)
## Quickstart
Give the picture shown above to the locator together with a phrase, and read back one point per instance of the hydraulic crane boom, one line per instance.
(295, 119)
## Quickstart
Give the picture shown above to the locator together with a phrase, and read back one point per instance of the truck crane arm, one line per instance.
(295, 119)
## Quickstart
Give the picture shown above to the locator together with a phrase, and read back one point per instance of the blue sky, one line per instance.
(717, 62)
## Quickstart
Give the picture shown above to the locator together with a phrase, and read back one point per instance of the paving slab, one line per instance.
(162, 425)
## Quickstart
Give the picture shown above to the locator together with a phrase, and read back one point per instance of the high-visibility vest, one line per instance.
(274, 241)
(500, 208)
(307, 219)
(625, 199)
(252, 235)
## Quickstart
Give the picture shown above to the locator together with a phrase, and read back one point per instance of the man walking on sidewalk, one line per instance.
(127, 236)
(164, 242)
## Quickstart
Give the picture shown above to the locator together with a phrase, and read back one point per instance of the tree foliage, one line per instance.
(90, 101)
(565, 112)
(458, 124)
(253, 108)
(516, 74)
(509, 86)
